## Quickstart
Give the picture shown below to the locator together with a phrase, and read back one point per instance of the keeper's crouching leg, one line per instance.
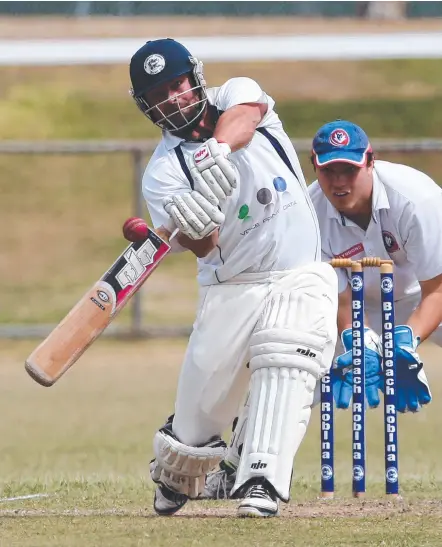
(180, 470)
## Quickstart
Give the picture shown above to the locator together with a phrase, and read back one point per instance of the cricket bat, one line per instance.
(95, 311)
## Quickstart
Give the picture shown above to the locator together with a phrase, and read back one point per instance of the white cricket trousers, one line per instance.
(214, 378)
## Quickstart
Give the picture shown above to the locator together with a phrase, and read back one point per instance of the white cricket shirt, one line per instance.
(406, 226)
(270, 222)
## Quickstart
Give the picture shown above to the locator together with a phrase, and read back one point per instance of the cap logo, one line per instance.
(339, 137)
(154, 64)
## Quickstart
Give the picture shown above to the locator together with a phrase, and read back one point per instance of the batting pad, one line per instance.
(280, 408)
(184, 468)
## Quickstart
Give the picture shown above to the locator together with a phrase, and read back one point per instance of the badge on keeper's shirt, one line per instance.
(390, 242)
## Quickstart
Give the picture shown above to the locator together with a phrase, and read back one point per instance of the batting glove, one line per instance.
(214, 175)
(341, 373)
(193, 215)
(412, 386)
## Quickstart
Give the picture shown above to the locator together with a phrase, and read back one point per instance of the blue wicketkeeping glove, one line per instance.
(341, 373)
(412, 386)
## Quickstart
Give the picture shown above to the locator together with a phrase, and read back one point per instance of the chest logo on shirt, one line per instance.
(352, 251)
(280, 184)
(390, 242)
(264, 197)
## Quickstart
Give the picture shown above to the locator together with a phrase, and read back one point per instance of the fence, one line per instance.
(137, 151)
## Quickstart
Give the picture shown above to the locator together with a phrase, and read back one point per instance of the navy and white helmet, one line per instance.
(156, 63)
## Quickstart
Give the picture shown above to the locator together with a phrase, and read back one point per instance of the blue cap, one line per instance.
(340, 141)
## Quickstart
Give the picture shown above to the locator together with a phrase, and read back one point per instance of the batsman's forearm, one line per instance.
(237, 125)
(199, 247)
(427, 316)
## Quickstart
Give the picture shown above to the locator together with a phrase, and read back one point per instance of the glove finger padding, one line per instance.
(412, 390)
(412, 401)
(228, 170)
(179, 220)
(191, 211)
(342, 390)
(412, 385)
(193, 214)
(342, 371)
(372, 394)
(213, 185)
(210, 163)
(401, 400)
(220, 178)
(203, 188)
(213, 212)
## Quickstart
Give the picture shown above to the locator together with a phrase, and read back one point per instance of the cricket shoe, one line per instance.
(220, 483)
(167, 502)
(259, 501)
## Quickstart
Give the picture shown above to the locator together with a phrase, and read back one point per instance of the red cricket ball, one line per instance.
(135, 229)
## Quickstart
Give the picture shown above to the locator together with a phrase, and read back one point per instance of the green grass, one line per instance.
(382, 118)
(86, 443)
(390, 98)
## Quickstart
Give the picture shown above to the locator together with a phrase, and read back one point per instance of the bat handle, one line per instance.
(165, 235)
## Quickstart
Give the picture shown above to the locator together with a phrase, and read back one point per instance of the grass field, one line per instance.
(86, 443)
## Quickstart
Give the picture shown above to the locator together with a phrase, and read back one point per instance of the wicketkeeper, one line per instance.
(369, 207)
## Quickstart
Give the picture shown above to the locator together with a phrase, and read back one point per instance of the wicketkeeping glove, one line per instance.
(192, 214)
(341, 373)
(412, 386)
(214, 175)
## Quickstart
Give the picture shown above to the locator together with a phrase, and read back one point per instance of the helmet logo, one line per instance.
(154, 64)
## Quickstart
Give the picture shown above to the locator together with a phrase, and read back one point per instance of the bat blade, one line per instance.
(95, 310)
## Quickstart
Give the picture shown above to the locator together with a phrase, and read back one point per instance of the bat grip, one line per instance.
(165, 235)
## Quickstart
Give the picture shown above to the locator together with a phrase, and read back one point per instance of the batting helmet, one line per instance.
(158, 62)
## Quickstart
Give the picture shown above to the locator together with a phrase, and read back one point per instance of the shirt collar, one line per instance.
(380, 201)
(171, 141)
(380, 198)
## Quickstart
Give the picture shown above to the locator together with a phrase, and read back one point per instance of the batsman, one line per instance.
(226, 175)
